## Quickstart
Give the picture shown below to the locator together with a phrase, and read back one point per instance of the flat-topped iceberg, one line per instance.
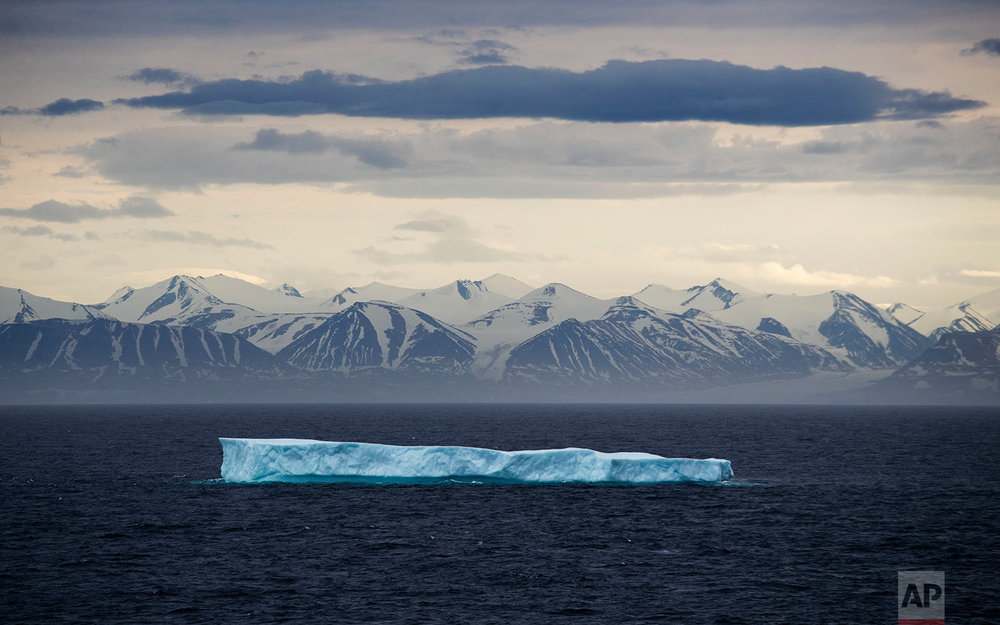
(253, 460)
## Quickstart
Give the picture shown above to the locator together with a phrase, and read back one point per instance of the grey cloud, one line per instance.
(486, 52)
(70, 172)
(55, 211)
(986, 46)
(551, 159)
(197, 238)
(181, 17)
(443, 224)
(40, 231)
(454, 242)
(620, 91)
(160, 75)
(860, 145)
(142, 207)
(62, 106)
(378, 153)
(65, 106)
(823, 147)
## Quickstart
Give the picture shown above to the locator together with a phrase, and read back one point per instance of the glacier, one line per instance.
(304, 461)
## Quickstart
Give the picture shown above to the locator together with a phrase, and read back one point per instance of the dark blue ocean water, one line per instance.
(109, 515)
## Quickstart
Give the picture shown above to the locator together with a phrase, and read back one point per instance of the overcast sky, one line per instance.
(791, 146)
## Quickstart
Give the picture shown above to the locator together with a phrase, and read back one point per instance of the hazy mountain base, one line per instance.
(393, 387)
(961, 368)
(108, 361)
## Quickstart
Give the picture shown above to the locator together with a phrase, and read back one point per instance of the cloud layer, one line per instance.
(620, 91)
(54, 211)
(552, 159)
(378, 153)
(196, 237)
(132, 18)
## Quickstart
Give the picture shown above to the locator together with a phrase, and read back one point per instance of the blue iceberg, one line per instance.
(302, 461)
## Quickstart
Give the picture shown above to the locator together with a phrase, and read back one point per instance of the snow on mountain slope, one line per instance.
(374, 292)
(93, 349)
(287, 290)
(500, 330)
(988, 304)
(962, 317)
(961, 366)
(273, 332)
(981, 312)
(187, 300)
(180, 300)
(905, 313)
(665, 298)
(838, 321)
(235, 291)
(506, 285)
(17, 305)
(718, 294)
(380, 335)
(635, 343)
(456, 302)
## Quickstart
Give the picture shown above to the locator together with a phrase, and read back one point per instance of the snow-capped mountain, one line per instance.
(972, 315)
(18, 305)
(988, 304)
(273, 332)
(180, 300)
(105, 349)
(287, 290)
(841, 322)
(550, 335)
(961, 317)
(639, 344)
(202, 293)
(961, 365)
(838, 321)
(456, 302)
(373, 292)
(380, 335)
(507, 286)
(500, 330)
(904, 312)
(718, 294)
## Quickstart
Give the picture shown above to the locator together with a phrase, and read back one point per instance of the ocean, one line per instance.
(114, 514)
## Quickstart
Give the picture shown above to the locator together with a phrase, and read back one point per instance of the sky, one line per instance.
(791, 147)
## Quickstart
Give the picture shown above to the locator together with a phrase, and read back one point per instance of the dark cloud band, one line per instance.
(62, 106)
(620, 91)
(986, 46)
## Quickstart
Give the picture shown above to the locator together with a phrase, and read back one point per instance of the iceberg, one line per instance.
(303, 461)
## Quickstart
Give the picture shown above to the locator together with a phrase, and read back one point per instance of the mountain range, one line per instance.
(495, 339)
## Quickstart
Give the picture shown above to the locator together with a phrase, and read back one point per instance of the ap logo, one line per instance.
(921, 598)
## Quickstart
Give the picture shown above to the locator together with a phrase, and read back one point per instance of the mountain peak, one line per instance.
(288, 290)
(467, 288)
(554, 289)
(121, 294)
(728, 285)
